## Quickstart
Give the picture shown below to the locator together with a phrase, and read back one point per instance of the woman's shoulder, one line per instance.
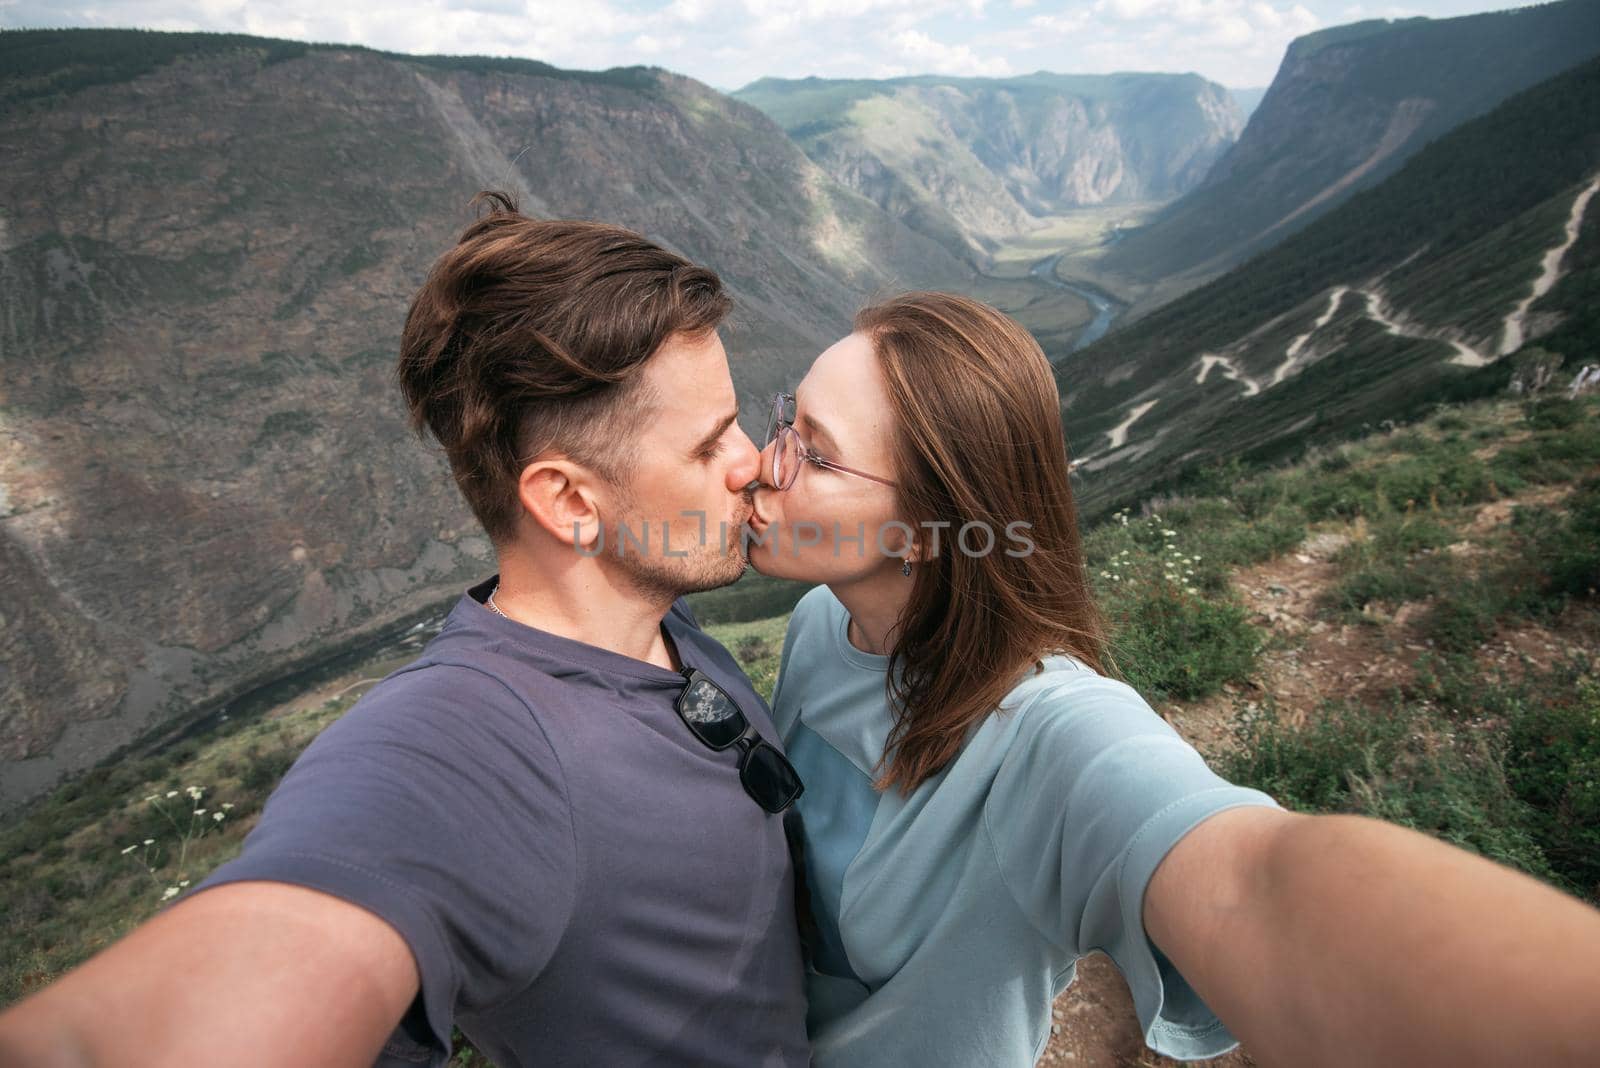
(1055, 671)
(1064, 690)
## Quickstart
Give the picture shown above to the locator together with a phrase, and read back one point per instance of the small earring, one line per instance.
(905, 567)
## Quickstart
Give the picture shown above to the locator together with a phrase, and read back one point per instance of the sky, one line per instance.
(730, 43)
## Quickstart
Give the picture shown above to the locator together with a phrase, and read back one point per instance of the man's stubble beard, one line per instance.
(710, 564)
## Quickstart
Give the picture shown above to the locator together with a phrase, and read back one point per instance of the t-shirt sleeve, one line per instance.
(438, 804)
(1092, 794)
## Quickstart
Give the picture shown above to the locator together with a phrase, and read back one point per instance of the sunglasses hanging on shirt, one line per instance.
(718, 721)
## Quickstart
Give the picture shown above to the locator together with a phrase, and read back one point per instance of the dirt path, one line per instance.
(1209, 360)
(1119, 433)
(1549, 272)
(1292, 353)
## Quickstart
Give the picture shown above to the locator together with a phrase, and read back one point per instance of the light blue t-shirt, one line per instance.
(950, 919)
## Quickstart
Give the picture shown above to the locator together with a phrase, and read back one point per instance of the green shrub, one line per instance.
(1309, 768)
(1552, 455)
(1410, 765)
(1391, 580)
(266, 769)
(1553, 764)
(1552, 556)
(1551, 412)
(1463, 617)
(1171, 644)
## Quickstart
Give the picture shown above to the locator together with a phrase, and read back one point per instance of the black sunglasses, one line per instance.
(716, 719)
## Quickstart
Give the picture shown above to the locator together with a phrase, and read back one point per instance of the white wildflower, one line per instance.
(149, 841)
(130, 849)
(218, 816)
(227, 804)
(172, 793)
(169, 893)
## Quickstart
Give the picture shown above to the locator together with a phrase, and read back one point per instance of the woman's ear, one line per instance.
(560, 496)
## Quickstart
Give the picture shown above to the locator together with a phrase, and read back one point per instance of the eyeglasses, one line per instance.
(790, 452)
(716, 719)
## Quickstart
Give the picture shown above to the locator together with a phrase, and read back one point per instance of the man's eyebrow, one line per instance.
(720, 429)
(829, 442)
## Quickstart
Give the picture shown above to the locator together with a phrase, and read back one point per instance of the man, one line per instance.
(525, 832)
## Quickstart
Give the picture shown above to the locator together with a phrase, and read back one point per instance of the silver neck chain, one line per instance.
(494, 607)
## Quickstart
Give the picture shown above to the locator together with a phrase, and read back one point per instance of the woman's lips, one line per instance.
(757, 522)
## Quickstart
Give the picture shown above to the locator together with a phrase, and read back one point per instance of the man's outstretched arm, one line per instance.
(1333, 940)
(246, 974)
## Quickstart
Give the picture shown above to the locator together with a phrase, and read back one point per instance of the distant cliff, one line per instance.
(1348, 107)
(967, 160)
(207, 245)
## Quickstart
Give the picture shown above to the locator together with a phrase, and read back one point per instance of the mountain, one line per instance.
(1248, 100)
(969, 160)
(1409, 293)
(1348, 107)
(207, 246)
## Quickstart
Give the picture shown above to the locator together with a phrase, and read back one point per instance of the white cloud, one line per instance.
(923, 53)
(732, 42)
(689, 11)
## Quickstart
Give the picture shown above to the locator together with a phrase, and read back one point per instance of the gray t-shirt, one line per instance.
(581, 881)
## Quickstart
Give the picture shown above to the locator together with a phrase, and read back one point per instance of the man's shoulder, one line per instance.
(443, 682)
(448, 705)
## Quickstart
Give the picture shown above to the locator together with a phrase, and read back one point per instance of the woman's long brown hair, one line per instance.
(978, 440)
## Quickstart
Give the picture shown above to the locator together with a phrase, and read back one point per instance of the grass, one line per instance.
(1509, 770)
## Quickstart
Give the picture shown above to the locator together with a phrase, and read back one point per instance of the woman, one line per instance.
(984, 805)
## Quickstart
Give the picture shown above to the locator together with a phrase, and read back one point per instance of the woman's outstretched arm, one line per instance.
(1339, 940)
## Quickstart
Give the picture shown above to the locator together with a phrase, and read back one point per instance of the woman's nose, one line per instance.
(764, 471)
(746, 468)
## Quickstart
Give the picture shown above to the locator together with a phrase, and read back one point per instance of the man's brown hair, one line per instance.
(530, 335)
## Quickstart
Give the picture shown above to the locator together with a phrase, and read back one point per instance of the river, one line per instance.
(405, 637)
(1106, 307)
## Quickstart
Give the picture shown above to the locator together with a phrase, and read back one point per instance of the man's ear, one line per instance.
(561, 497)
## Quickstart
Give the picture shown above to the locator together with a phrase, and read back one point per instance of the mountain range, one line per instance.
(970, 161)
